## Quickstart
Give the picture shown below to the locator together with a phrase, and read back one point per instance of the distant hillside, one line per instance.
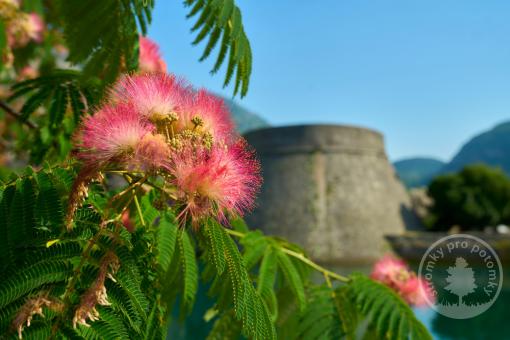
(417, 172)
(491, 147)
(244, 119)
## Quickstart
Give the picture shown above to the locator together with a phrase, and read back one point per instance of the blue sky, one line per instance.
(427, 74)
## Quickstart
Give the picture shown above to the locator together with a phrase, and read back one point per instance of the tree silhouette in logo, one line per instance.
(461, 279)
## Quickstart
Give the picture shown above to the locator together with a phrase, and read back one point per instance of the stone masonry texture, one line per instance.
(330, 189)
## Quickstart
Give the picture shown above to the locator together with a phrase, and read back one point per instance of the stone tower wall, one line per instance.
(330, 189)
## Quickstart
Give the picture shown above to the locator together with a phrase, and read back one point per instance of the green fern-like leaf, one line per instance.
(222, 19)
(216, 243)
(110, 325)
(154, 324)
(266, 280)
(28, 279)
(49, 207)
(21, 215)
(103, 35)
(6, 247)
(225, 327)
(249, 307)
(320, 319)
(292, 277)
(189, 268)
(62, 89)
(390, 317)
(122, 304)
(131, 285)
(167, 236)
(255, 245)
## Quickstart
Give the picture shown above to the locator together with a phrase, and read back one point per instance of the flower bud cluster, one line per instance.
(34, 306)
(96, 294)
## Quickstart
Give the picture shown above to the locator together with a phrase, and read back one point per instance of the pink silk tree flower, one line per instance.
(23, 28)
(151, 153)
(209, 114)
(28, 72)
(155, 96)
(416, 292)
(395, 274)
(389, 269)
(35, 27)
(215, 183)
(167, 100)
(111, 135)
(150, 58)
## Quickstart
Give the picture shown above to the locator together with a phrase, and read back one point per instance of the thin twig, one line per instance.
(327, 273)
(139, 209)
(17, 115)
(129, 188)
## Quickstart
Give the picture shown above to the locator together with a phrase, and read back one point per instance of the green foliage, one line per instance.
(189, 269)
(66, 96)
(389, 317)
(221, 20)
(474, 198)
(321, 318)
(260, 284)
(361, 309)
(44, 260)
(239, 295)
(103, 35)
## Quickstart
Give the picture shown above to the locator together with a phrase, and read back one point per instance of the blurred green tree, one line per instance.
(476, 197)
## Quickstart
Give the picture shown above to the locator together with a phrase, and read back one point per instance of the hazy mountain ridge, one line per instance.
(491, 147)
(417, 172)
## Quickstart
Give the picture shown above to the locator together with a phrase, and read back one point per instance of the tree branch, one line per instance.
(17, 115)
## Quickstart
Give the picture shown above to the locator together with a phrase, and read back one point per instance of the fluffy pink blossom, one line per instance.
(150, 58)
(389, 269)
(395, 274)
(111, 135)
(155, 96)
(155, 122)
(161, 96)
(212, 113)
(23, 28)
(416, 291)
(216, 182)
(35, 27)
(27, 72)
(152, 152)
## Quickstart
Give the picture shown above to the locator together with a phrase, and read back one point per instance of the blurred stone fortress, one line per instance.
(331, 189)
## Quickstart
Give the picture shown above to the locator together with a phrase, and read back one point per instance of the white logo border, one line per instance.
(477, 239)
